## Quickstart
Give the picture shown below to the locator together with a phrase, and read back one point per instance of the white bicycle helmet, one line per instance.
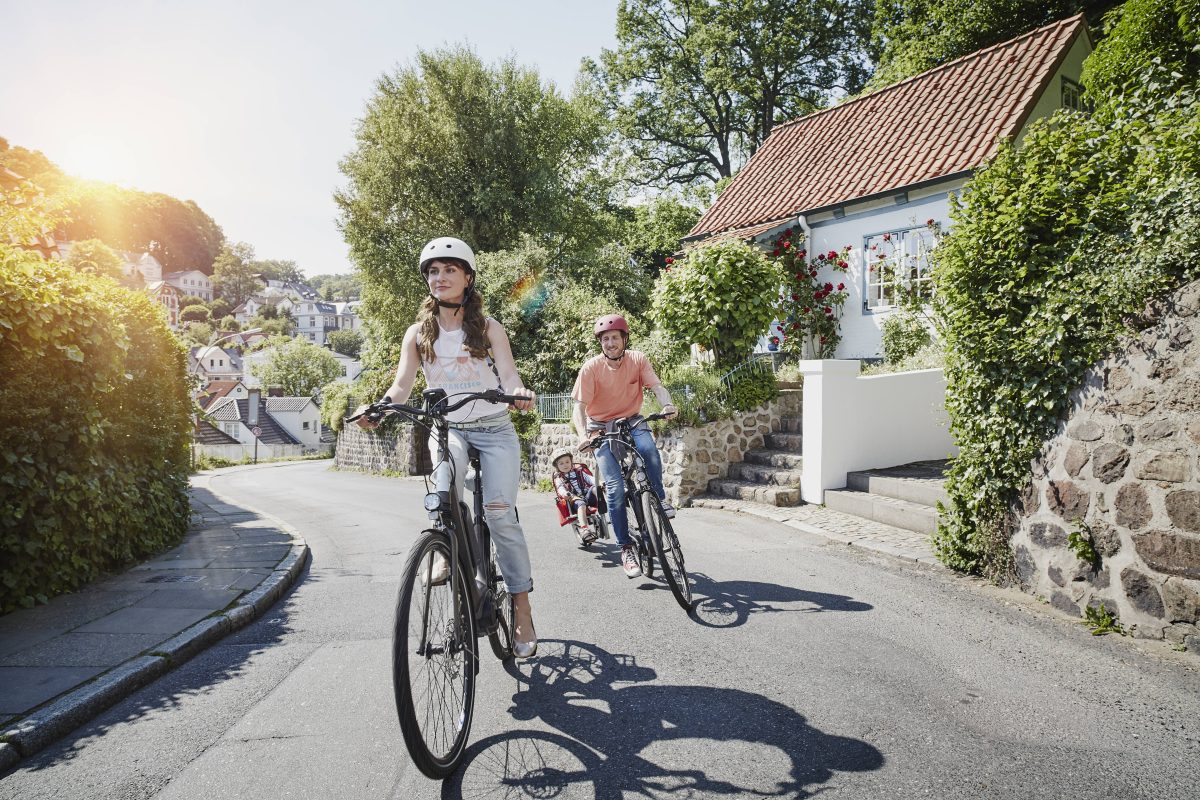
(447, 247)
(559, 453)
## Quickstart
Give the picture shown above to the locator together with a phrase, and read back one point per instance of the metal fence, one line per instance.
(555, 407)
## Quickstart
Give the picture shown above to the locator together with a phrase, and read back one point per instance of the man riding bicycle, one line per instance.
(609, 387)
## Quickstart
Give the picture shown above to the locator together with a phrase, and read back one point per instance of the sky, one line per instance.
(246, 107)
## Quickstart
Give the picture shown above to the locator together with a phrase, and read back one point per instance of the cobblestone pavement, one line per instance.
(835, 525)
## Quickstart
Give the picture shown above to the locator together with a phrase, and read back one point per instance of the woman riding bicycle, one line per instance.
(609, 387)
(462, 350)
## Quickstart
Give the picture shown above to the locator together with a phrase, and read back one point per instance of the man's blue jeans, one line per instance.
(614, 480)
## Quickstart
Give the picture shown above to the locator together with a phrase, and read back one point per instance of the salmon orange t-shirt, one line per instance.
(608, 393)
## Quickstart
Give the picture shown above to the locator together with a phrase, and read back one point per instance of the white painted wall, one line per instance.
(294, 421)
(853, 422)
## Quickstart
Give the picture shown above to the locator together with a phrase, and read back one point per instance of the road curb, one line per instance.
(45, 726)
(861, 542)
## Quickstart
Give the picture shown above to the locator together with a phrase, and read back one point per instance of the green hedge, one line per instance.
(94, 429)
(1057, 248)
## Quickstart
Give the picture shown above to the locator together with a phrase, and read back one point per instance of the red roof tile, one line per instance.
(943, 122)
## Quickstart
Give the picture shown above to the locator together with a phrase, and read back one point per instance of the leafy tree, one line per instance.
(696, 86)
(234, 273)
(722, 297)
(300, 367)
(279, 270)
(94, 256)
(190, 300)
(912, 36)
(348, 343)
(276, 324)
(228, 324)
(220, 307)
(337, 288)
(653, 234)
(1163, 37)
(450, 145)
(197, 333)
(194, 313)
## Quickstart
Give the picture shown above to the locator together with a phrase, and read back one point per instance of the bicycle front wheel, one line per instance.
(669, 552)
(434, 658)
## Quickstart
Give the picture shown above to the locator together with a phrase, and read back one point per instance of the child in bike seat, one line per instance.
(576, 490)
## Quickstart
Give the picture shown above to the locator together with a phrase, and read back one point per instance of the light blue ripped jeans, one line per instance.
(500, 468)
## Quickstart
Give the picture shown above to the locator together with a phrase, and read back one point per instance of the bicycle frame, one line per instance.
(633, 469)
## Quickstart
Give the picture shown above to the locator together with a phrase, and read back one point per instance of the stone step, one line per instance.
(768, 475)
(775, 458)
(888, 510)
(791, 442)
(744, 490)
(922, 482)
(791, 425)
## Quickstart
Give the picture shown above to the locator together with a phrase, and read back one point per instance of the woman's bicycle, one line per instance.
(451, 595)
(654, 535)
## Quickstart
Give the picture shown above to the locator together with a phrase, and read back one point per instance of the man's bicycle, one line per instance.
(451, 595)
(654, 535)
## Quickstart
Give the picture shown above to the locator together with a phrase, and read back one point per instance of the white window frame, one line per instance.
(892, 259)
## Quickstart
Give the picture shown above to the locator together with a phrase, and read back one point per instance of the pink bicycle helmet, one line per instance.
(611, 322)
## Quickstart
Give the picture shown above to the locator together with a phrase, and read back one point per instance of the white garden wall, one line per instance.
(854, 423)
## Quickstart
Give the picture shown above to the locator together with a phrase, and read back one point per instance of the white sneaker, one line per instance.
(629, 562)
(668, 510)
(440, 572)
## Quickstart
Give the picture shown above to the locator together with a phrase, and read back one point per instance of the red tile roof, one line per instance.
(943, 122)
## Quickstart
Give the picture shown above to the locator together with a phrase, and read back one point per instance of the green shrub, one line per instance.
(722, 296)
(929, 357)
(1054, 247)
(904, 335)
(94, 429)
(752, 386)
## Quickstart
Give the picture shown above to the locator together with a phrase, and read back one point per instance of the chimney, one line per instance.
(252, 402)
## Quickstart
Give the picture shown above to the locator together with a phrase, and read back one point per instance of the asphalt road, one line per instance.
(810, 668)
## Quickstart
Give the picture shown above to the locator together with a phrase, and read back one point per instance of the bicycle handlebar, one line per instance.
(439, 409)
(614, 435)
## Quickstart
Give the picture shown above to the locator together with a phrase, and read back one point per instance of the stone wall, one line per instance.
(691, 456)
(392, 448)
(1125, 466)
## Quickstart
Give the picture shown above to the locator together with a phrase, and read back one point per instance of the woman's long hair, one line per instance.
(474, 326)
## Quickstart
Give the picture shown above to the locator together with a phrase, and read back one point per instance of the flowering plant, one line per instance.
(811, 307)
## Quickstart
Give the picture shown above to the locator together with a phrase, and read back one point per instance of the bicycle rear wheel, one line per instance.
(643, 543)
(501, 639)
(669, 551)
(434, 659)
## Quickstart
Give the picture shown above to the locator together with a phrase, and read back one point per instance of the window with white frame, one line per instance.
(1072, 96)
(231, 429)
(896, 260)
(306, 424)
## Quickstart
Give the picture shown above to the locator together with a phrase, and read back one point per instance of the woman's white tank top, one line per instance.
(456, 370)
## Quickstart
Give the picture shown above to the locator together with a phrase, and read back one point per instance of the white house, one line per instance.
(875, 172)
(299, 416)
(315, 319)
(217, 390)
(277, 426)
(166, 296)
(351, 367)
(347, 315)
(192, 282)
(215, 363)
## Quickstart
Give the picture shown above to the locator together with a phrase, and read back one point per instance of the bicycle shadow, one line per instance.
(612, 741)
(728, 604)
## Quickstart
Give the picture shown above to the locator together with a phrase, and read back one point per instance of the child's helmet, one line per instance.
(610, 322)
(559, 453)
(447, 247)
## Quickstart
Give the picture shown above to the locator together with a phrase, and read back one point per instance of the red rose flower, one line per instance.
(828, 310)
(832, 254)
(843, 265)
(929, 222)
(828, 288)
(670, 260)
(801, 253)
(841, 286)
(805, 310)
(813, 274)
(887, 237)
(795, 298)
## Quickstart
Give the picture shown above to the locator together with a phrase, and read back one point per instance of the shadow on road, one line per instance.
(638, 739)
(728, 604)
